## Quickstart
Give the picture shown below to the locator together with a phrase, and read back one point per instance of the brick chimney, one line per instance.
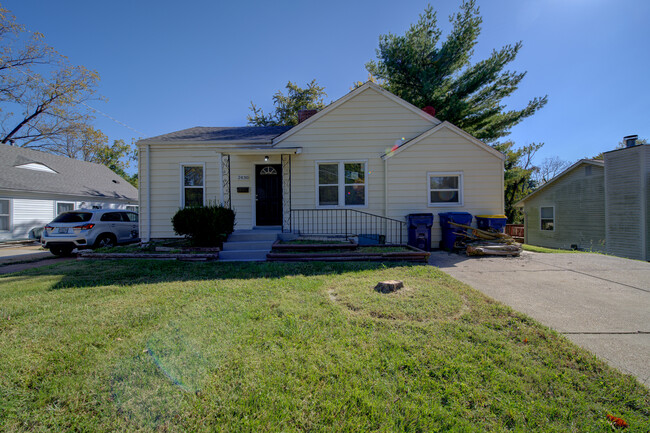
(305, 114)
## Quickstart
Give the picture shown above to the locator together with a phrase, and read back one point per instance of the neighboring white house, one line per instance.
(595, 205)
(367, 159)
(36, 186)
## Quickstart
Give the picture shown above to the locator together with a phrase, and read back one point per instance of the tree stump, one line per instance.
(388, 286)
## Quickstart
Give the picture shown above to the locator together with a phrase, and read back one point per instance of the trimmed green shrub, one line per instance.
(204, 226)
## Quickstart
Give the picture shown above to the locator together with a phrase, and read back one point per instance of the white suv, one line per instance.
(86, 228)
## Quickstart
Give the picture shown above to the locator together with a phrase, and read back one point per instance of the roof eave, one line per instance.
(347, 97)
(204, 142)
(437, 128)
(597, 163)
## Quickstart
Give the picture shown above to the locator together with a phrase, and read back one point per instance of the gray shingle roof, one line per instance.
(72, 177)
(252, 134)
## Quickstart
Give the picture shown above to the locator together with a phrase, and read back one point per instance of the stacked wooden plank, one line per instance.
(486, 242)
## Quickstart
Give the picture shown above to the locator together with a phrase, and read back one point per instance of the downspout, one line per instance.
(148, 193)
(386, 187)
(503, 188)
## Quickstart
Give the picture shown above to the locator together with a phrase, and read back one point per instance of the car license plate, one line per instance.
(62, 230)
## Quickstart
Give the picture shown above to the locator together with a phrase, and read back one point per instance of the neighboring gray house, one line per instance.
(36, 186)
(627, 199)
(595, 205)
(569, 210)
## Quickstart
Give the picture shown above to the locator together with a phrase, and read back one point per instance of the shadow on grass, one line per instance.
(93, 273)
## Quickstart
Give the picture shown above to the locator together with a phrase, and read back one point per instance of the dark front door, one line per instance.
(268, 195)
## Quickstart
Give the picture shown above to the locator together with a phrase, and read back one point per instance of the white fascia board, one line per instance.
(347, 97)
(204, 143)
(453, 128)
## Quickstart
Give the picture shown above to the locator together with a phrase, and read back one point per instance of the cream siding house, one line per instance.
(367, 155)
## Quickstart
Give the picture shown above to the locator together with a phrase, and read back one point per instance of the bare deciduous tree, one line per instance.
(548, 169)
(42, 95)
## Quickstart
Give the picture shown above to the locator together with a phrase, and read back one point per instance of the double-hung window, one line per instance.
(547, 218)
(192, 185)
(445, 189)
(341, 183)
(4, 214)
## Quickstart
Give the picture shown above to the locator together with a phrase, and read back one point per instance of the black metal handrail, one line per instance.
(347, 223)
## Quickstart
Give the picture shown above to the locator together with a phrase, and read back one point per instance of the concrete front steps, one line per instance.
(249, 245)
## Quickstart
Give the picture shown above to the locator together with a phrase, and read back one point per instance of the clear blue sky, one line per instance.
(169, 65)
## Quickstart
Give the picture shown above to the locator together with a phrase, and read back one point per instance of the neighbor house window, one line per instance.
(132, 208)
(64, 206)
(547, 217)
(4, 215)
(193, 185)
(445, 189)
(341, 183)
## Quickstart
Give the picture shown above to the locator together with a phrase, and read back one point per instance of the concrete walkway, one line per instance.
(15, 252)
(601, 303)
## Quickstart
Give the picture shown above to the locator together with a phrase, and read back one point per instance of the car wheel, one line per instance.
(105, 241)
(61, 251)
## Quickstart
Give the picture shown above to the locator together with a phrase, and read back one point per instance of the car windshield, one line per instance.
(73, 217)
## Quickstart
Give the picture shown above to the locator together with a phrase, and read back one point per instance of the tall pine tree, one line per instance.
(425, 69)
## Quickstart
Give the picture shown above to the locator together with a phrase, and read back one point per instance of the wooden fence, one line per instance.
(516, 231)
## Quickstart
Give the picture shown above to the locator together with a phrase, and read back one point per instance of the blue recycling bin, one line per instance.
(448, 236)
(419, 229)
(494, 222)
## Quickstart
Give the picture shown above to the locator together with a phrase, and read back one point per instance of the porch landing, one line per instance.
(249, 245)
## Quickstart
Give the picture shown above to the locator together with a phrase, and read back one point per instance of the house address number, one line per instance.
(243, 177)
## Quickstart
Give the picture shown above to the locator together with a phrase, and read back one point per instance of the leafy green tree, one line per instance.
(42, 95)
(287, 106)
(116, 157)
(89, 144)
(424, 69)
(518, 176)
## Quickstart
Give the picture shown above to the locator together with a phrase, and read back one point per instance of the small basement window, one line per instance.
(4, 215)
(547, 218)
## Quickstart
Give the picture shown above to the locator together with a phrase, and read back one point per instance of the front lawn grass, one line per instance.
(226, 347)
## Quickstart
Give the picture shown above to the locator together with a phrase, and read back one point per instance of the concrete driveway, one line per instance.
(601, 303)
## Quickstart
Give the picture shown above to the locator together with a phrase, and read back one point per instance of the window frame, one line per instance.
(541, 220)
(461, 193)
(8, 214)
(136, 210)
(341, 184)
(182, 181)
(56, 207)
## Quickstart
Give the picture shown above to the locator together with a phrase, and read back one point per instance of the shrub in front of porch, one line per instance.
(204, 225)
